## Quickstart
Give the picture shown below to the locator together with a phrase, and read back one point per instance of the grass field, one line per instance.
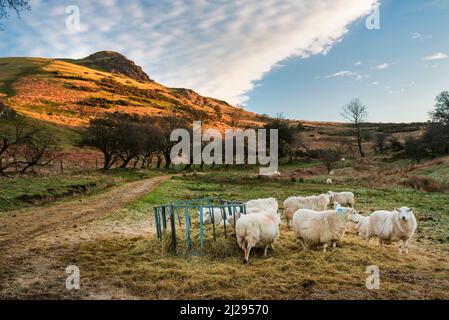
(28, 191)
(139, 266)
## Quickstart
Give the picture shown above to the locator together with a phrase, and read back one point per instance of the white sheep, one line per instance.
(259, 230)
(343, 198)
(392, 226)
(254, 206)
(326, 227)
(329, 181)
(355, 228)
(293, 204)
(261, 205)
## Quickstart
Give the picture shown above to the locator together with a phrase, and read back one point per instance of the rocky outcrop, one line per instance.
(114, 62)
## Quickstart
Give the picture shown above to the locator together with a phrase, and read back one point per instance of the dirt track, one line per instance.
(23, 233)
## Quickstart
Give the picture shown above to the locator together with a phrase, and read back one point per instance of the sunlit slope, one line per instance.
(68, 94)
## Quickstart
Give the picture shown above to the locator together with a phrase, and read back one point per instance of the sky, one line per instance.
(303, 58)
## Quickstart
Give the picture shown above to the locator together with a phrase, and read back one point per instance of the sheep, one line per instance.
(293, 204)
(392, 226)
(218, 215)
(329, 181)
(352, 228)
(359, 228)
(254, 206)
(259, 230)
(271, 174)
(260, 205)
(314, 228)
(343, 198)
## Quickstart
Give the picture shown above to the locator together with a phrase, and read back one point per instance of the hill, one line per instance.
(71, 92)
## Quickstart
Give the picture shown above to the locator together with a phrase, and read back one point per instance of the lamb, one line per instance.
(343, 198)
(392, 226)
(293, 204)
(313, 228)
(259, 230)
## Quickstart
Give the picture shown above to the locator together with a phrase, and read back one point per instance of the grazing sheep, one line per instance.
(293, 204)
(343, 198)
(218, 214)
(329, 181)
(314, 228)
(259, 230)
(260, 205)
(392, 226)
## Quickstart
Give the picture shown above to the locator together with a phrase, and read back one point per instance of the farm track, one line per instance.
(24, 233)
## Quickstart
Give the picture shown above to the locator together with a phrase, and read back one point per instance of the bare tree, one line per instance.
(13, 5)
(39, 150)
(356, 113)
(166, 125)
(10, 140)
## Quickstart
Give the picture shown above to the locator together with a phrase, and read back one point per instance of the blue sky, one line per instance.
(304, 58)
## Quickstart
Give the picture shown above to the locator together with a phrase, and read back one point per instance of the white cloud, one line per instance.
(358, 63)
(376, 83)
(343, 74)
(436, 56)
(219, 48)
(382, 66)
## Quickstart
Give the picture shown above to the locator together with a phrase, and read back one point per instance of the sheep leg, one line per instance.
(381, 245)
(367, 241)
(406, 244)
(247, 254)
(399, 247)
(334, 245)
(325, 248)
(272, 246)
(266, 249)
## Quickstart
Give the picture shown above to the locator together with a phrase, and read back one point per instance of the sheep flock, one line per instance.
(314, 224)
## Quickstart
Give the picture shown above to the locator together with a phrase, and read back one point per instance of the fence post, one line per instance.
(179, 216)
(96, 164)
(188, 227)
(62, 166)
(173, 229)
(164, 218)
(158, 223)
(201, 228)
(212, 216)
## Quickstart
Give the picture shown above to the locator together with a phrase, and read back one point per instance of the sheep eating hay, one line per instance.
(259, 230)
(293, 204)
(396, 226)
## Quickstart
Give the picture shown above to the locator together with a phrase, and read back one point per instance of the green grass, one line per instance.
(29, 191)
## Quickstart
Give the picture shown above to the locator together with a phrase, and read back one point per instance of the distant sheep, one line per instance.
(259, 230)
(343, 198)
(271, 174)
(329, 181)
(392, 226)
(314, 228)
(293, 204)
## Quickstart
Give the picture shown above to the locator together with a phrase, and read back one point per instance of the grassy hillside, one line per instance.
(68, 94)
